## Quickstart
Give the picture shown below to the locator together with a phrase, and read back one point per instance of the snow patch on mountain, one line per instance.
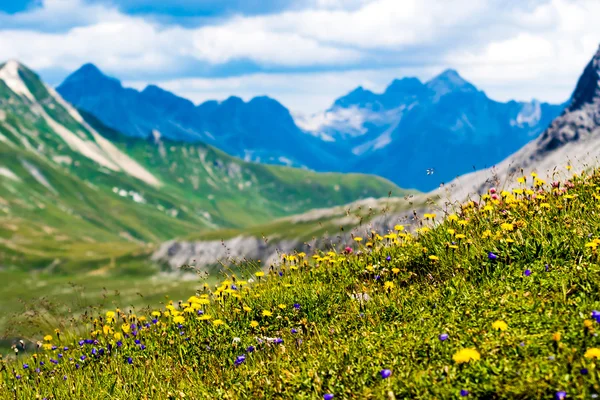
(102, 151)
(7, 173)
(10, 75)
(38, 176)
(530, 114)
(348, 120)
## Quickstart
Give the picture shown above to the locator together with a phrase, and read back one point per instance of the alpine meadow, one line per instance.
(372, 199)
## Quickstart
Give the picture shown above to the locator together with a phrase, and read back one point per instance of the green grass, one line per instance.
(543, 283)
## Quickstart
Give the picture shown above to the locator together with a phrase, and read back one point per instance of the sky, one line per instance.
(307, 53)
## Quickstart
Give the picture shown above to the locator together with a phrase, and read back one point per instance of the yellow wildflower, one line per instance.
(466, 355)
(507, 227)
(218, 322)
(434, 258)
(253, 324)
(388, 285)
(282, 306)
(247, 309)
(500, 326)
(260, 273)
(395, 270)
(179, 319)
(399, 228)
(556, 336)
(358, 239)
(452, 217)
(266, 313)
(593, 352)
(118, 336)
(48, 338)
(107, 329)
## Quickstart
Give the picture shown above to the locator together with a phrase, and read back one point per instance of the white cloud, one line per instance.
(535, 49)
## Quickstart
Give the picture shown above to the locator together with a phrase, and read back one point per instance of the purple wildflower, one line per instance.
(527, 272)
(328, 396)
(25, 366)
(464, 393)
(385, 373)
(492, 256)
(561, 395)
(443, 337)
(296, 306)
(250, 349)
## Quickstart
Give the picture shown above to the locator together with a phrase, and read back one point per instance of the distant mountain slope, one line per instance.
(572, 139)
(445, 124)
(66, 180)
(259, 130)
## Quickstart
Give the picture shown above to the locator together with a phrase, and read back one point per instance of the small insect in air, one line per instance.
(430, 171)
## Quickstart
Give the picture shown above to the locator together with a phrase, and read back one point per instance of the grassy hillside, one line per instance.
(499, 299)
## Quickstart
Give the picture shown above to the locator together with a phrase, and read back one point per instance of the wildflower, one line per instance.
(179, 319)
(218, 322)
(443, 337)
(266, 313)
(556, 336)
(596, 316)
(259, 274)
(500, 325)
(527, 272)
(388, 285)
(296, 306)
(385, 373)
(129, 360)
(250, 349)
(395, 270)
(434, 258)
(239, 360)
(48, 338)
(282, 306)
(358, 239)
(492, 190)
(466, 355)
(560, 395)
(593, 352)
(507, 227)
(253, 324)
(25, 366)
(328, 396)
(584, 371)
(492, 256)
(464, 393)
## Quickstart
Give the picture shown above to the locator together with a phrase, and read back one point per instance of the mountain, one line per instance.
(260, 130)
(573, 139)
(446, 125)
(74, 190)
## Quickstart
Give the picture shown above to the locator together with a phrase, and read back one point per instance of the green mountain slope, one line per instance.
(75, 190)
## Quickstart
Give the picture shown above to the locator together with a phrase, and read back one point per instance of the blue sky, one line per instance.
(306, 53)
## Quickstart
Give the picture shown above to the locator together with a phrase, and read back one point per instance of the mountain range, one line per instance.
(73, 188)
(410, 128)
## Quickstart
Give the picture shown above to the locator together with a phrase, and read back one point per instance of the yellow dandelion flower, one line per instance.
(253, 324)
(267, 313)
(118, 336)
(282, 306)
(507, 227)
(204, 317)
(568, 167)
(593, 352)
(488, 208)
(556, 336)
(358, 239)
(388, 285)
(500, 325)
(522, 179)
(110, 316)
(48, 338)
(487, 233)
(399, 228)
(588, 323)
(218, 322)
(179, 319)
(452, 217)
(395, 270)
(260, 273)
(460, 236)
(434, 258)
(466, 355)
(107, 329)
(451, 231)
(48, 346)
